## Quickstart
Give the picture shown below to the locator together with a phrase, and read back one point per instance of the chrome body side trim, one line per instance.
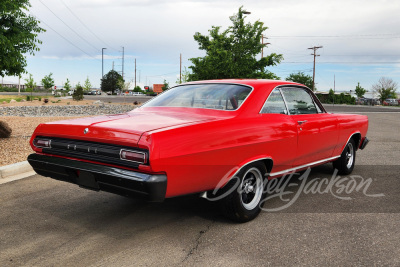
(303, 166)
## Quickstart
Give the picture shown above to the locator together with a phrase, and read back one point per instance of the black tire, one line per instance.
(243, 203)
(345, 164)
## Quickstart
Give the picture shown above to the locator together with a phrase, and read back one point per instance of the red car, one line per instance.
(202, 136)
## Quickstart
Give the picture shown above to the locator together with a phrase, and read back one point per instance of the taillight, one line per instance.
(135, 156)
(42, 143)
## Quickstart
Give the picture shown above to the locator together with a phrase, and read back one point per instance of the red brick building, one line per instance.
(157, 88)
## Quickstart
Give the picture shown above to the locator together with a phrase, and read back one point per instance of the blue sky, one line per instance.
(360, 39)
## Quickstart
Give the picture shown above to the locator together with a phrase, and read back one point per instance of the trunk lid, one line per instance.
(124, 129)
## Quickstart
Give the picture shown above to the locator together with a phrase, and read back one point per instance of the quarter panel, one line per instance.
(196, 158)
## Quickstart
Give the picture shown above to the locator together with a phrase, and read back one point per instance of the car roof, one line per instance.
(250, 82)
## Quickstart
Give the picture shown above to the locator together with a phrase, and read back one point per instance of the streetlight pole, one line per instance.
(102, 62)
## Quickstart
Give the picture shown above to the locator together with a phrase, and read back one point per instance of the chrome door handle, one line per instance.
(301, 122)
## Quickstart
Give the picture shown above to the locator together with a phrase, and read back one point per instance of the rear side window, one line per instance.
(299, 101)
(274, 103)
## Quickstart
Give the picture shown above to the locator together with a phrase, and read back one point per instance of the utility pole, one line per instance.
(314, 48)
(102, 62)
(19, 84)
(180, 68)
(262, 42)
(135, 73)
(123, 52)
(334, 88)
(113, 66)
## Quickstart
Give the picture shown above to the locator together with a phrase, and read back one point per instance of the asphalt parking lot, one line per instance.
(44, 222)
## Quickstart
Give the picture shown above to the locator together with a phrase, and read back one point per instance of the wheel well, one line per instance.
(357, 139)
(268, 164)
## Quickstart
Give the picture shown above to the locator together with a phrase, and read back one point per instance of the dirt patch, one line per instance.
(17, 148)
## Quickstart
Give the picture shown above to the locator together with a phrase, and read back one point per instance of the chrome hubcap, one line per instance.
(251, 189)
(349, 155)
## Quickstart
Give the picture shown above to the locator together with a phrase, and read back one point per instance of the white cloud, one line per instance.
(156, 32)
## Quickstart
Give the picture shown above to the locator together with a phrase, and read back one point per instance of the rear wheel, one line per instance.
(345, 164)
(243, 203)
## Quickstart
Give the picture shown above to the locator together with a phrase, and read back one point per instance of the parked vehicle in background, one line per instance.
(71, 92)
(223, 139)
(367, 101)
(55, 93)
(136, 93)
(391, 102)
(94, 92)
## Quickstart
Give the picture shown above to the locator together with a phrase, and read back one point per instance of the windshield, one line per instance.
(209, 96)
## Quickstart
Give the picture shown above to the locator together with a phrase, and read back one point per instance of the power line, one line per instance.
(352, 36)
(343, 62)
(69, 26)
(95, 35)
(62, 36)
(162, 74)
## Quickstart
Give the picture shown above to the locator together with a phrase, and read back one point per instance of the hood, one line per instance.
(124, 129)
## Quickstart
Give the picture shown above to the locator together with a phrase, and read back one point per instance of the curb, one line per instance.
(15, 171)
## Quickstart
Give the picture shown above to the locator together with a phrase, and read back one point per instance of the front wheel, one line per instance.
(345, 164)
(243, 203)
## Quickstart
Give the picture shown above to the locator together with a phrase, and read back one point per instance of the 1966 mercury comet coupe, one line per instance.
(197, 138)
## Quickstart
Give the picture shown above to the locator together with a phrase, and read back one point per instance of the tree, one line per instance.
(18, 36)
(138, 89)
(125, 85)
(360, 92)
(166, 85)
(232, 53)
(111, 81)
(301, 77)
(385, 88)
(87, 85)
(331, 96)
(184, 76)
(48, 81)
(30, 85)
(78, 93)
(67, 85)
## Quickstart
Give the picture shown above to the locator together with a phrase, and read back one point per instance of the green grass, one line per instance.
(8, 99)
(18, 98)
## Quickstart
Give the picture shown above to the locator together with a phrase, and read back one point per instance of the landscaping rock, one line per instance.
(68, 110)
(5, 130)
(13, 101)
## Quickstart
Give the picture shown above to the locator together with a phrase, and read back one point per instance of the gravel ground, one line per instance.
(17, 148)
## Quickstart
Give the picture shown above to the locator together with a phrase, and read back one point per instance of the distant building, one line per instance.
(157, 88)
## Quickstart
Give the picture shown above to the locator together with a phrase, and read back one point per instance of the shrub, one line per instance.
(28, 98)
(5, 130)
(40, 99)
(78, 93)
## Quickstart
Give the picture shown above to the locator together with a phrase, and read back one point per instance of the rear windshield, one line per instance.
(209, 96)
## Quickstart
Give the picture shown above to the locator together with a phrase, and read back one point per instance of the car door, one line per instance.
(317, 130)
(280, 132)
